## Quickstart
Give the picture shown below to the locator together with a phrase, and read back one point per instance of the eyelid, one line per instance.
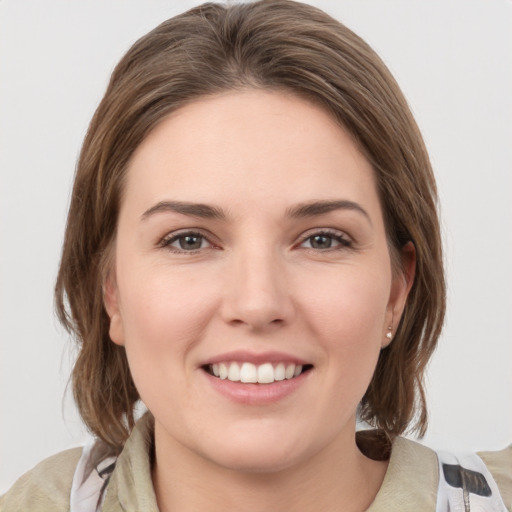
(166, 241)
(325, 231)
(342, 237)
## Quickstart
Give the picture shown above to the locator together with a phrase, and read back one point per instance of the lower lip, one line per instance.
(256, 394)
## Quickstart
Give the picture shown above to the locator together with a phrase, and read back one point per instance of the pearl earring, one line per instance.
(389, 335)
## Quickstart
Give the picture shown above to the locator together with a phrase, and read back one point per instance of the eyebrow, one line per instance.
(200, 210)
(314, 208)
(301, 210)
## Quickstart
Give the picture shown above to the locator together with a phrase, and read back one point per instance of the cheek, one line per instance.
(164, 315)
(346, 315)
(351, 303)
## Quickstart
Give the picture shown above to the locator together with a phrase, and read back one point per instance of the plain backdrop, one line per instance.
(454, 62)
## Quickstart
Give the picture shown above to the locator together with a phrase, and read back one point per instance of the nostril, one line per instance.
(256, 323)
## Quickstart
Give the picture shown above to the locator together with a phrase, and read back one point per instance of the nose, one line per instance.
(257, 293)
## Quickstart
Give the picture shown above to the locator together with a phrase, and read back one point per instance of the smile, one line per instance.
(250, 373)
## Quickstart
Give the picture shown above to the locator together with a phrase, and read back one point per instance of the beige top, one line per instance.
(410, 483)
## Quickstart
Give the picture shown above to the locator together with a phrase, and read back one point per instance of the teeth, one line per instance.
(279, 372)
(266, 374)
(290, 370)
(234, 372)
(250, 373)
(223, 371)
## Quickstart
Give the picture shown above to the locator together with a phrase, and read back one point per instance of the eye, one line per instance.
(325, 240)
(189, 241)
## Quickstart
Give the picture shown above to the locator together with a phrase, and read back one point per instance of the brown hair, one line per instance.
(278, 45)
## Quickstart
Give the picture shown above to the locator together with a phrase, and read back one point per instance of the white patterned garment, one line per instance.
(466, 485)
(91, 478)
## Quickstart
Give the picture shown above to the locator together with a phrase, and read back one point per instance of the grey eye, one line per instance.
(189, 242)
(186, 242)
(320, 241)
(324, 241)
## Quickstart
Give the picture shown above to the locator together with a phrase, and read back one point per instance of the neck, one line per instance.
(184, 481)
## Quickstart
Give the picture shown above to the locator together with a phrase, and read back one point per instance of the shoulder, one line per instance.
(414, 473)
(45, 487)
(411, 479)
(500, 466)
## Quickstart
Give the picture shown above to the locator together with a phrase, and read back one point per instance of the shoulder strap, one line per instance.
(466, 485)
(91, 478)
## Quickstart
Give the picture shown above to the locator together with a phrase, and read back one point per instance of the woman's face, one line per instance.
(251, 245)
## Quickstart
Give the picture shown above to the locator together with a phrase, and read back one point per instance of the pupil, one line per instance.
(321, 242)
(190, 242)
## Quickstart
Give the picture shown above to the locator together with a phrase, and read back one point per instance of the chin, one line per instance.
(256, 462)
(256, 453)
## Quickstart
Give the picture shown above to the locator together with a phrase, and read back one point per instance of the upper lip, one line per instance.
(255, 358)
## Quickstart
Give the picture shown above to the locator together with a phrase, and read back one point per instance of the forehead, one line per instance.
(247, 148)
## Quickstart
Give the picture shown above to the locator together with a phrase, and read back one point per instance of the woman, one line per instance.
(253, 250)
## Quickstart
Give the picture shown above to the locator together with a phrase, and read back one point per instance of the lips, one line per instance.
(249, 378)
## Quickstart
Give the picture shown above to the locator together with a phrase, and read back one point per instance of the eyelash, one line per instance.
(167, 241)
(341, 238)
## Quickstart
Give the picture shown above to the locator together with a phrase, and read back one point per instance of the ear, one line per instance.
(112, 306)
(401, 285)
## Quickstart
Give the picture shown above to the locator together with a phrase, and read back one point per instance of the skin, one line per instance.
(258, 282)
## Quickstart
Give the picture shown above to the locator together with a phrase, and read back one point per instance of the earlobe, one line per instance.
(401, 286)
(111, 304)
